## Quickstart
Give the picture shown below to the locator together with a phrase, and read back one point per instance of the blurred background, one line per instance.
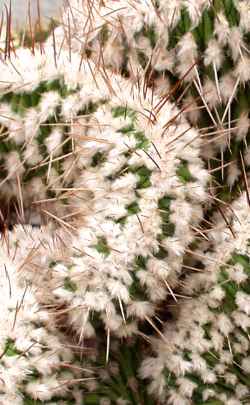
(48, 8)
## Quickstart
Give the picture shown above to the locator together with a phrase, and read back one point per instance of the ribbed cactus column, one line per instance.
(218, 43)
(39, 104)
(37, 364)
(138, 188)
(203, 44)
(205, 358)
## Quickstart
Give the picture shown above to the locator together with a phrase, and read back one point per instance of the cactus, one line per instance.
(139, 187)
(144, 200)
(197, 51)
(39, 105)
(34, 131)
(116, 163)
(37, 113)
(204, 358)
(37, 363)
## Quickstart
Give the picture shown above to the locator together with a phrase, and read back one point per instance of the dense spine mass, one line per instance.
(124, 272)
(197, 51)
(134, 186)
(39, 157)
(37, 363)
(205, 355)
